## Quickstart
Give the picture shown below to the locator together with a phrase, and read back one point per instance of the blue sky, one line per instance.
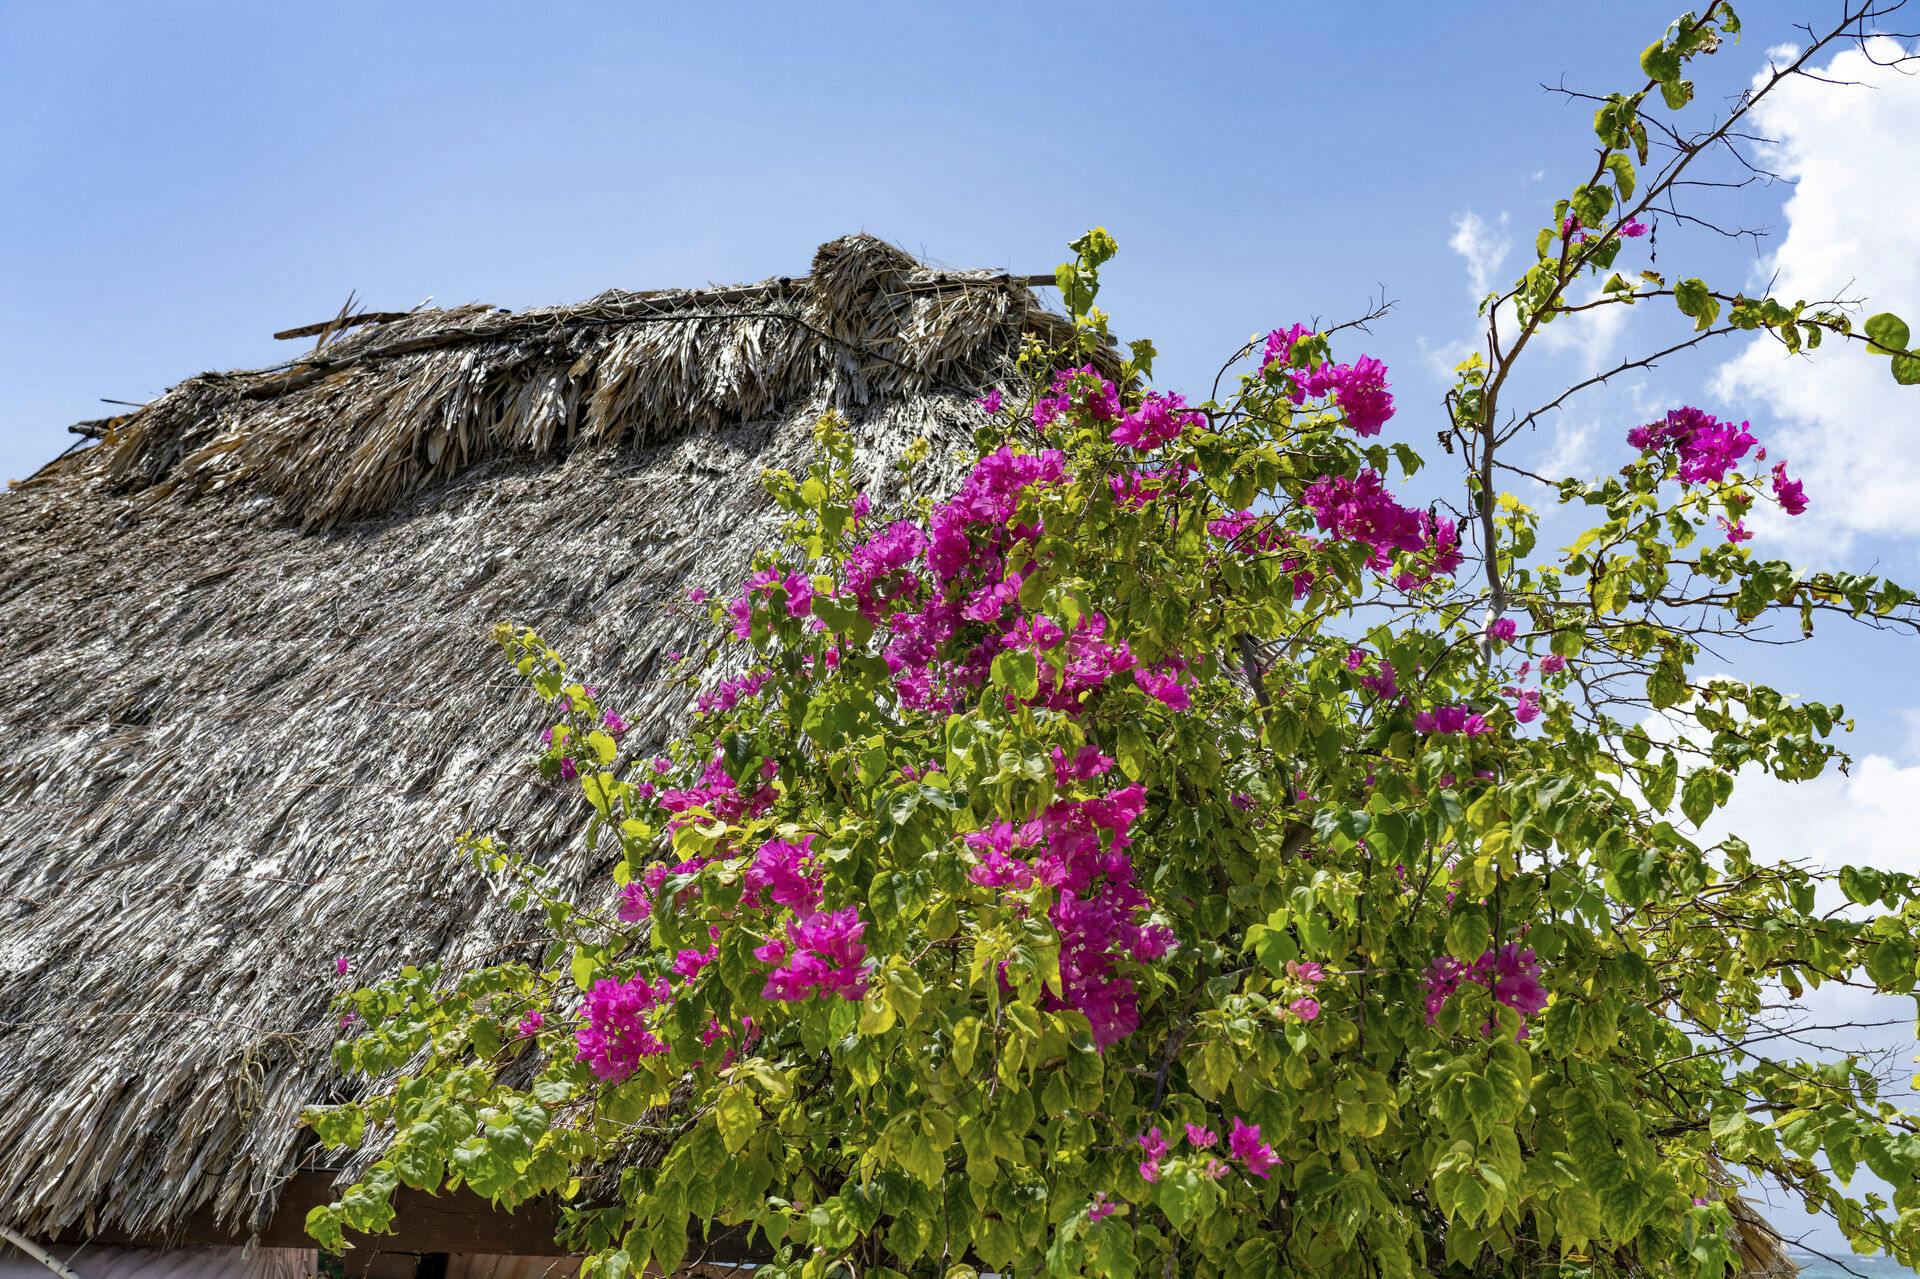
(190, 177)
(186, 178)
(193, 176)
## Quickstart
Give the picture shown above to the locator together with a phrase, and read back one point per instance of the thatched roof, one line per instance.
(250, 699)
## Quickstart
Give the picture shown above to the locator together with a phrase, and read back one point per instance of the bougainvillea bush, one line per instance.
(1172, 850)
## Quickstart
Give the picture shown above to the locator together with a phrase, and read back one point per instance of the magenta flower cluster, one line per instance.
(728, 694)
(771, 586)
(821, 954)
(1512, 974)
(1082, 388)
(948, 599)
(1359, 509)
(1135, 488)
(1244, 1145)
(1098, 906)
(1461, 720)
(1704, 449)
(879, 572)
(615, 1038)
(780, 875)
(1250, 534)
(1789, 493)
(719, 794)
(636, 897)
(1631, 229)
(1359, 389)
(1156, 420)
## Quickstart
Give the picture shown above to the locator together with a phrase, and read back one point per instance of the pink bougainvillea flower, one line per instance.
(1511, 973)
(781, 875)
(1153, 1144)
(614, 1037)
(823, 955)
(1156, 420)
(688, 963)
(1450, 719)
(1255, 1155)
(1789, 493)
(1704, 447)
(633, 904)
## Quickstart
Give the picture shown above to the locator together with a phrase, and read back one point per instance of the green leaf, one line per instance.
(736, 1116)
(1143, 352)
(1273, 947)
(1863, 885)
(1660, 62)
(1698, 796)
(1694, 299)
(325, 1224)
(1887, 332)
(584, 968)
(1130, 749)
(1469, 934)
(1590, 204)
(966, 1038)
(1622, 170)
(1019, 672)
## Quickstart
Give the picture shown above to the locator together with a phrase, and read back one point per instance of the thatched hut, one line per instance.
(251, 699)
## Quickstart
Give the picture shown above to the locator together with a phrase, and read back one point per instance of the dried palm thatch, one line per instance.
(251, 699)
(1758, 1245)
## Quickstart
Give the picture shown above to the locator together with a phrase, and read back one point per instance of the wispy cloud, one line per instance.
(1485, 246)
(1849, 427)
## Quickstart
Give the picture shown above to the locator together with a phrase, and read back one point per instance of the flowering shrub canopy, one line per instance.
(1173, 851)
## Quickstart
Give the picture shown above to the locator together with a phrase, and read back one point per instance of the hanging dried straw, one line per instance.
(251, 699)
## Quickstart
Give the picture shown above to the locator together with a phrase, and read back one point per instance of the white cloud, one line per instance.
(1849, 427)
(1572, 451)
(1593, 336)
(1869, 817)
(1484, 247)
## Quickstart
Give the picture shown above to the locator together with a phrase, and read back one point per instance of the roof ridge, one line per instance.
(345, 432)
